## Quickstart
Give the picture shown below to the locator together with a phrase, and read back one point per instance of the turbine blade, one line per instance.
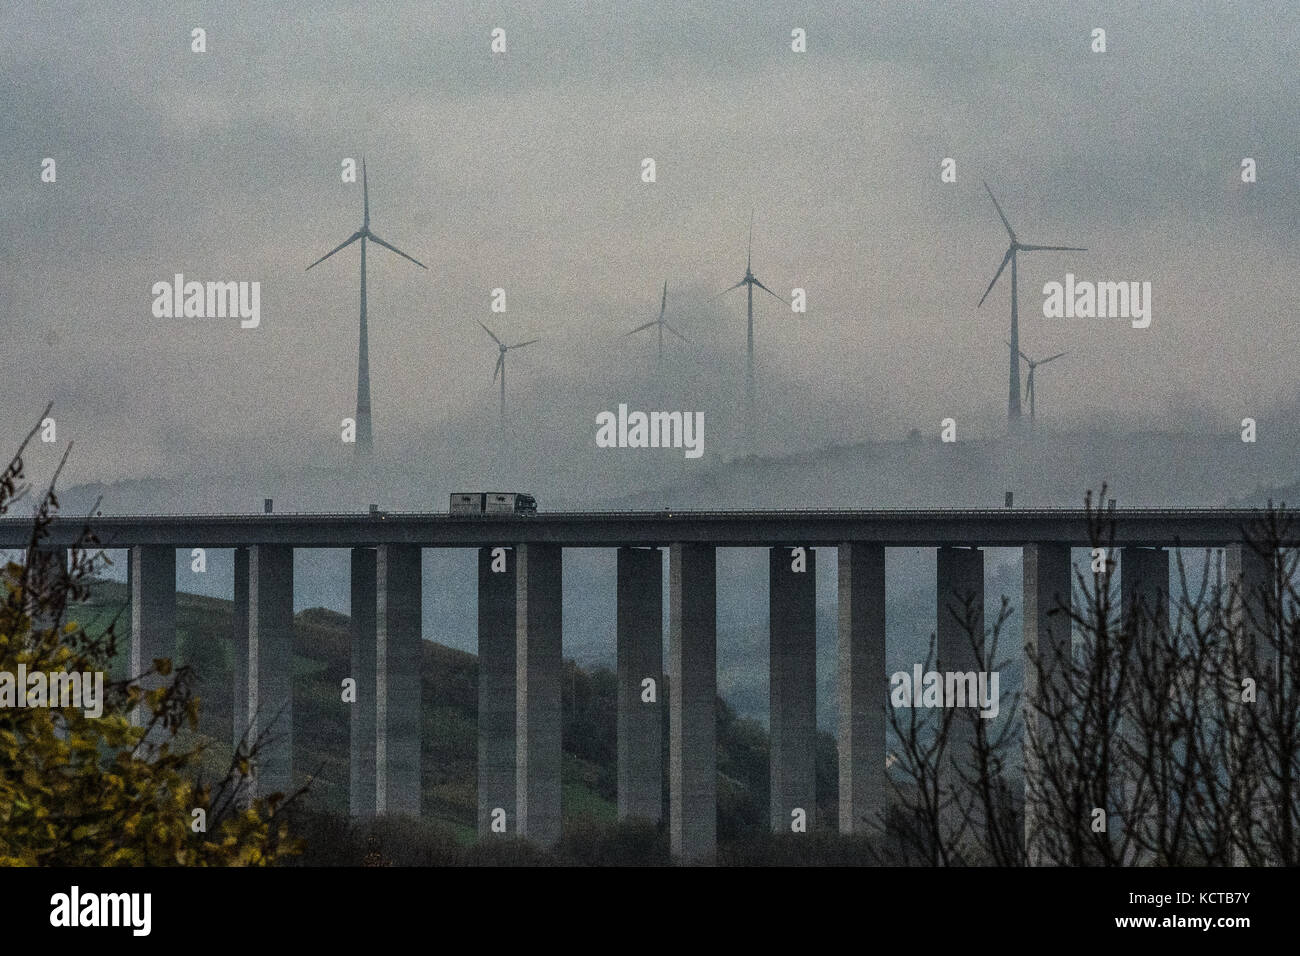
(1053, 249)
(491, 333)
(648, 325)
(1010, 232)
(1056, 356)
(749, 256)
(520, 345)
(769, 291)
(365, 191)
(501, 360)
(1031, 362)
(392, 248)
(1005, 260)
(342, 245)
(675, 332)
(725, 291)
(663, 303)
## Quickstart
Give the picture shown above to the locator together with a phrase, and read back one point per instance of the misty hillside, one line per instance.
(1043, 469)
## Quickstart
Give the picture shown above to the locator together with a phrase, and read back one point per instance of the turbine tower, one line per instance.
(662, 323)
(750, 280)
(501, 366)
(1029, 382)
(364, 441)
(1016, 246)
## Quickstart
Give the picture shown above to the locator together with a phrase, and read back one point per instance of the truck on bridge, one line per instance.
(491, 502)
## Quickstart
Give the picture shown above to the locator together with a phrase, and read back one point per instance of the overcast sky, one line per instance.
(522, 171)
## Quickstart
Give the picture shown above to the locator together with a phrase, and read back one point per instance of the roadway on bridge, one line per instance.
(1009, 527)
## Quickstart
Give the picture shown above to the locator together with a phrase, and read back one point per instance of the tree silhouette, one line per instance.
(1163, 733)
(77, 790)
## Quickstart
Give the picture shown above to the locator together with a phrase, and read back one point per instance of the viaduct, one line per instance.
(520, 627)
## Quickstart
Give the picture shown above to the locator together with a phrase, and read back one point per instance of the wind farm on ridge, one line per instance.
(364, 414)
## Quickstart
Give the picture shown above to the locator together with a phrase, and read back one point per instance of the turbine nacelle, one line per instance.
(661, 323)
(502, 349)
(364, 232)
(1016, 246)
(1034, 363)
(749, 278)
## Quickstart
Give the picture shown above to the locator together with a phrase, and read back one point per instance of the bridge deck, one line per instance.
(1188, 527)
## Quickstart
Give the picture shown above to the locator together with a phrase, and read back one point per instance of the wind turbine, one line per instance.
(364, 439)
(750, 280)
(662, 324)
(501, 365)
(1016, 246)
(1029, 382)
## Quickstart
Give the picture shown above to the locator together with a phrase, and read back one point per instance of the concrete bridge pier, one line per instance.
(49, 559)
(1255, 619)
(792, 660)
(398, 643)
(959, 630)
(1144, 585)
(238, 644)
(1047, 637)
(538, 665)
(1255, 615)
(268, 664)
(363, 630)
(496, 692)
(959, 576)
(640, 621)
(1144, 599)
(153, 617)
(863, 687)
(692, 702)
